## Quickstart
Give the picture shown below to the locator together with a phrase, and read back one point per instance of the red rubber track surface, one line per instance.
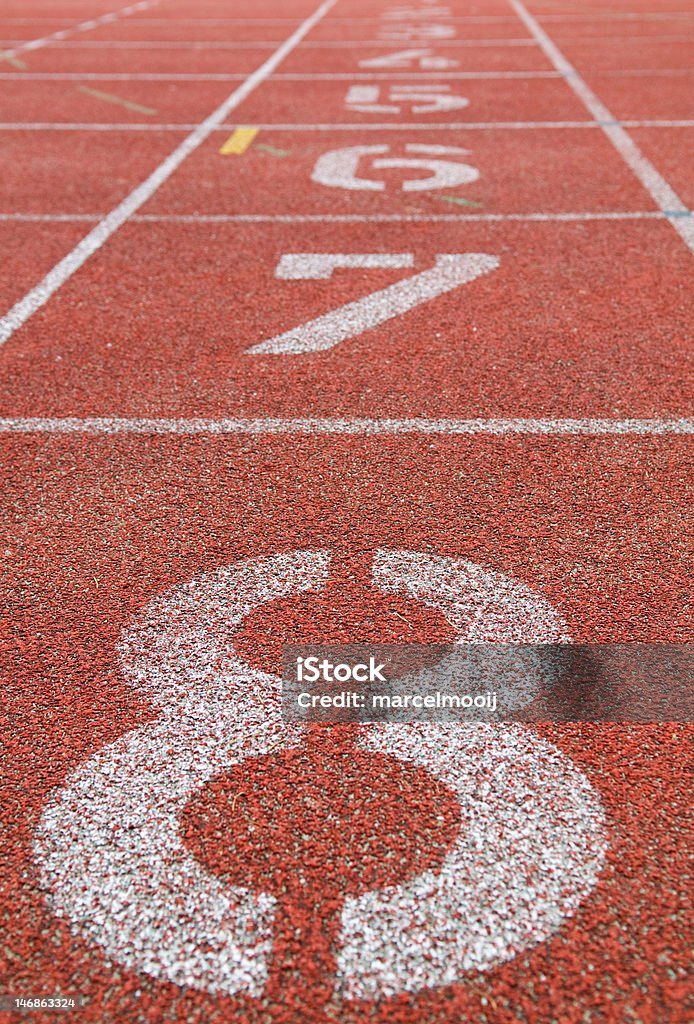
(501, 349)
(586, 317)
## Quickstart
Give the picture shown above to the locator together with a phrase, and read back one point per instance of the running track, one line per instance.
(302, 306)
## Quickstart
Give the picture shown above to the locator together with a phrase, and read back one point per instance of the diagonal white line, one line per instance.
(57, 277)
(663, 195)
(270, 425)
(83, 26)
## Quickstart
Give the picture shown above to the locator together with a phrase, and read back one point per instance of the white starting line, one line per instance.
(184, 76)
(346, 218)
(337, 126)
(269, 425)
(470, 19)
(245, 44)
(328, 76)
(265, 44)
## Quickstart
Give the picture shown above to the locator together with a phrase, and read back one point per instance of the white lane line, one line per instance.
(348, 218)
(643, 72)
(482, 19)
(404, 218)
(460, 125)
(324, 76)
(503, 19)
(142, 126)
(641, 40)
(328, 76)
(117, 76)
(662, 194)
(64, 270)
(271, 425)
(50, 218)
(250, 44)
(83, 26)
(215, 44)
(597, 15)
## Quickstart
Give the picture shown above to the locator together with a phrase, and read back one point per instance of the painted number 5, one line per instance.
(450, 270)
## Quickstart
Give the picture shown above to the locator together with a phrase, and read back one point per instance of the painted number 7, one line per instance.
(450, 270)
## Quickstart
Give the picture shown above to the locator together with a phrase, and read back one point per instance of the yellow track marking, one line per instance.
(110, 98)
(239, 141)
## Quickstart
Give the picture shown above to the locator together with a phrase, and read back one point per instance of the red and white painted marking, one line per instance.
(134, 889)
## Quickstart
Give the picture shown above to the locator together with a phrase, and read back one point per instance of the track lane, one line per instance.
(101, 524)
(34, 299)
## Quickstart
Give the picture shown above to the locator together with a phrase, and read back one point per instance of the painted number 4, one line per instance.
(450, 270)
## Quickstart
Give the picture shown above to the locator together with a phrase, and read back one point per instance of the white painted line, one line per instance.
(388, 76)
(440, 44)
(328, 44)
(618, 16)
(148, 126)
(83, 26)
(622, 39)
(64, 270)
(447, 125)
(251, 44)
(326, 76)
(663, 195)
(484, 19)
(495, 19)
(50, 218)
(153, 44)
(270, 425)
(338, 218)
(396, 218)
(99, 76)
(645, 73)
(109, 126)
(465, 19)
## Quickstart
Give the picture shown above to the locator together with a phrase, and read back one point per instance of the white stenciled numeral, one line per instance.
(341, 168)
(396, 13)
(110, 849)
(315, 266)
(449, 271)
(425, 98)
(424, 59)
(413, 33)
